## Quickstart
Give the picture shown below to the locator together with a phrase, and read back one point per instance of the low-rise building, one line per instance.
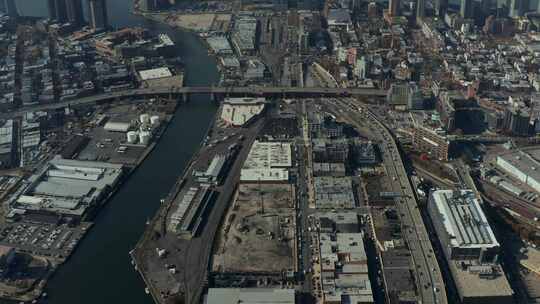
(522, 165)
(469, 246)
(250, 296)
(267, 162)
(333, 192)
(68, 187)
(344, 268)
(219, 45)
(238, 112)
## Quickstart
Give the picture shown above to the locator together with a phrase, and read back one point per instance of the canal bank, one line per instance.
(100, 270)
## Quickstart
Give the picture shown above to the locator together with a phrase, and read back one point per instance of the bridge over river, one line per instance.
(215, 92)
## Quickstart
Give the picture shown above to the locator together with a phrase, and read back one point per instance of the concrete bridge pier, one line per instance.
(185, 97)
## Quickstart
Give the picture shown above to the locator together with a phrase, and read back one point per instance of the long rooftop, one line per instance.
(464, 219)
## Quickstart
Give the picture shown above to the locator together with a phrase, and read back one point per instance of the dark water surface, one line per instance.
(100, 270)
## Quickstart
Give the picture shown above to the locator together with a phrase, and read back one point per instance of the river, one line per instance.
(100, 271)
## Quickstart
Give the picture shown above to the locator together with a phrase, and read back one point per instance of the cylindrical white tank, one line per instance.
(132, 137)
(144, 118)
(154, 120)
(144, 137)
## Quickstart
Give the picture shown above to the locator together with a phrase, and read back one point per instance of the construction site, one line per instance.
(257, 240)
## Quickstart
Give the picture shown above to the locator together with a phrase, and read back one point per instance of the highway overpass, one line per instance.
(215, 92)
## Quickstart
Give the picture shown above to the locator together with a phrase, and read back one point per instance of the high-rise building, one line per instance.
(393, 8)
(466, 9)
(97, 13)
(9, 7)
(518, 7)
(420, 9)
(74, 12)
(440, 7)
(58, 10)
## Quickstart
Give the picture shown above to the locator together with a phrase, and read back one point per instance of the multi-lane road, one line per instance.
(428, 275)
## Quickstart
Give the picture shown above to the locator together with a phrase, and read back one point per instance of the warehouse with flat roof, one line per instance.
(156, 73)
(462, 226)
(68, 187)
(238, 112)
(470, 247)
(267, 162)
(250, 296)
(523, 165)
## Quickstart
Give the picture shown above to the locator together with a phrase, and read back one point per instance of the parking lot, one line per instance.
(47, 240)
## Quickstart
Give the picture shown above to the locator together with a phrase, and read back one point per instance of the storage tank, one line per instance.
(144, 118)
(132, 137)
(144, 137)
(154, 120)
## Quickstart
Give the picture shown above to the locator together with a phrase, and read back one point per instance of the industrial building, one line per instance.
(192, 207)
(523, 165)
(333, 192)
(238, 112)
(469, 246)
(68, 187)
(162, 72)
(117, 126)
(214, 172)
(462, 226)
(250, 296)
(219, 45)
(243, 36)
(344, 268)
(267, 162)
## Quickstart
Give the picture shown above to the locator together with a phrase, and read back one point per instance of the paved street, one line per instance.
(427, 272)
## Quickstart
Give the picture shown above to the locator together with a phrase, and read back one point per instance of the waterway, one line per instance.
(100, 270)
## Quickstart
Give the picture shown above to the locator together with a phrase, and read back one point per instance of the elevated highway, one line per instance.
(429, 280)
(216, 93)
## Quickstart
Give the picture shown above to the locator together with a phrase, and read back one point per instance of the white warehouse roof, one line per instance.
(250, 296)
(157, 73)
(117, 126)
(463, 219)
